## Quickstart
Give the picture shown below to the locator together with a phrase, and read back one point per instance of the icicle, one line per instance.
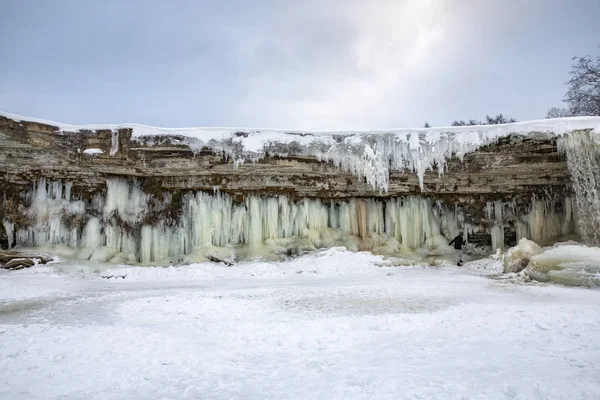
(146, 244)
(49, 211)
(126, 198)
(583, 159)
(361, 208)
(114, 146)
(497, 234)
(494, 211)
(411, 221)
(92, 236)
(375, 217)
(9, 228)
(543, 223)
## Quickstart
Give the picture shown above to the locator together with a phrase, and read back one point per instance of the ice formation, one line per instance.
(568, 264)
(121, 225)
(517, 258)
(93, 152)
(542, 222)
(9, 228)
(583, 158)
(129, 225)
(494, 212)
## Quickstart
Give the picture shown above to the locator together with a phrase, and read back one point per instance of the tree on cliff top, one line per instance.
(498, 119)
(558, 112)
(583, 93)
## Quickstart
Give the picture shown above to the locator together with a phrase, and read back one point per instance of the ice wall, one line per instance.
(542, 222)
(583, 158)
(53, 215)
(128, 225)
(567, 264)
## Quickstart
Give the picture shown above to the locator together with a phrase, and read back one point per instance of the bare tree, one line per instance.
(471, 122)
(558, 112)
(426, 125)
(583, 95)
(498, 119)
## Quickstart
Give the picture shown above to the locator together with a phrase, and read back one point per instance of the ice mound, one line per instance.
(574, 265)
(517, 258)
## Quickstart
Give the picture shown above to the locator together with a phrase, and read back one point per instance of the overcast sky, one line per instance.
(323, 64)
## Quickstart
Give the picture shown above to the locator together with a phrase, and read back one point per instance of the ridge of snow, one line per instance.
(557, 126)
(367, 154)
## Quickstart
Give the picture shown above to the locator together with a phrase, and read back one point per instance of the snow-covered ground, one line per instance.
(331, 325)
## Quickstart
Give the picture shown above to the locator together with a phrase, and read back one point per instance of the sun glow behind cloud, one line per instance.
(372, 63)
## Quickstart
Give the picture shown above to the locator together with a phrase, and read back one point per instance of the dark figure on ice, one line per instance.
(458, 243)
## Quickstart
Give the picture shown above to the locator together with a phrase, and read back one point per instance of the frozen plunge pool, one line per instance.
(331, 325)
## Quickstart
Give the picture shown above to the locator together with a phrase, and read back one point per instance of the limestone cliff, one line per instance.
(513, 172)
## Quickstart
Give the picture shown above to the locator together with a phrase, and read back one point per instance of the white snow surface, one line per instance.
(368, 154)
(558, 126)
(330, 325)
(93, 152)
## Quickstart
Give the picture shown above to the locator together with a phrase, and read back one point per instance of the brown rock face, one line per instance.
(515, 169)
(15, 261)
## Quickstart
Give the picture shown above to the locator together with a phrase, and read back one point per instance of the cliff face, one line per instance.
(515, 166)
(512, 172)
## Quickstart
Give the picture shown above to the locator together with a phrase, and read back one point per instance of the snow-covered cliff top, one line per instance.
(556, 126)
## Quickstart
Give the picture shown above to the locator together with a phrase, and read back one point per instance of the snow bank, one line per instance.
(214, 226)
(569, 264)
(326, 263)
(368, 154)
(332, 262)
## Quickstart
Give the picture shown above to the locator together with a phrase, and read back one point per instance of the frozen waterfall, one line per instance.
(128, 225)
(582, 149)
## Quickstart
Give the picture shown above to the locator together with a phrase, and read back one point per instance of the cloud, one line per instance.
(311, 64)
(352, 63)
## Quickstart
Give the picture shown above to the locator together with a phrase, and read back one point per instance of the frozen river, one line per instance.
(332, 325)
